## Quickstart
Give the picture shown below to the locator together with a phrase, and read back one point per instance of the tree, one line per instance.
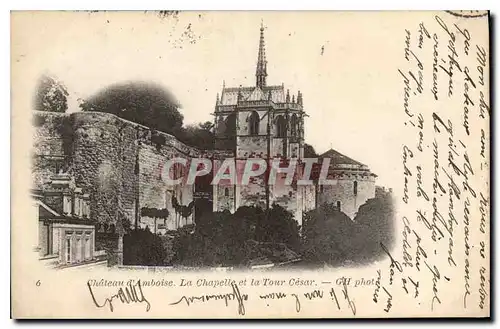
(200, 135)
(153, 106)
(376, 220)
(278, 225)
(51, 95)
(141, 247)
(145, 103)
(309, 151)
(330, 236)
(225, 239)
(327, 236)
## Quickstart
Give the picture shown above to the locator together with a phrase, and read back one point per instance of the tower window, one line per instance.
(254, 124)
(226, 191)
(230, 125)
(355, 188)
(280, 126)
(338, 205)
(221, 126)
(293, 123)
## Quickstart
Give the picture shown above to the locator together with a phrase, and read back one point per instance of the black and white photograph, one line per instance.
(353, 146)
(99, 175)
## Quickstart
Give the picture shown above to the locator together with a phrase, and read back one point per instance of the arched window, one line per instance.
(355, 188)
(280, 126)
(221, 126)
(338, 205)
(253, 125)
(226, 191)
(228, 138)
(293, 123)
(231, 125)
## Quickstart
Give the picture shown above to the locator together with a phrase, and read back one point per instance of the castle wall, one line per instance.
(156, 192)
(253, 193)
(224, 197)
(308, 197)
(343, 191)
(103, 162)
(116, 161)
(251, 147)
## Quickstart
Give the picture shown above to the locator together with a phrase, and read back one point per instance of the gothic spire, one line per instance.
(261, 71)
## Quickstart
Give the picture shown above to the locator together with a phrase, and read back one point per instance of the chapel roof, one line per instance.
(230, 95)
(340, 160)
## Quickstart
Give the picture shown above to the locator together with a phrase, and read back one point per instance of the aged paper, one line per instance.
(250, 164)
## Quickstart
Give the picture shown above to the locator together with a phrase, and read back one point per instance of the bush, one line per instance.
(221, 238)
(141, 247)
(327, 236)
(278, 225)
(331, 237)
(376, 221)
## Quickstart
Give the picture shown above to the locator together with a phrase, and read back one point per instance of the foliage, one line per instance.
(152, 106)
(330, 236)
(51, 95)
(145, 103)
(278, 225)
(64, 127)
(158, 140)
(200, 135)
(327, 235)
(218, 240)
(221, 238)
(309, 151)
(376, 218)
(141, 247)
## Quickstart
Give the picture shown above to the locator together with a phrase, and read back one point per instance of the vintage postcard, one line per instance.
(239, 165)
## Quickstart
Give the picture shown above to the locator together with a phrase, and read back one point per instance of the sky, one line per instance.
(343, 63)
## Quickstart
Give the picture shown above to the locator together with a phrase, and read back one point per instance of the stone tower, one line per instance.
(260, 121)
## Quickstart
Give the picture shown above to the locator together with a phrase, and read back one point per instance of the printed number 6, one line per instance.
(38, 283)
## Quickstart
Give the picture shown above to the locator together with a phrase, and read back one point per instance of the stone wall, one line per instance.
(253, 193)
(116, 161)
(224, 197)
(103, 161)
(252, 147)
(154, 189)
(343, 191)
